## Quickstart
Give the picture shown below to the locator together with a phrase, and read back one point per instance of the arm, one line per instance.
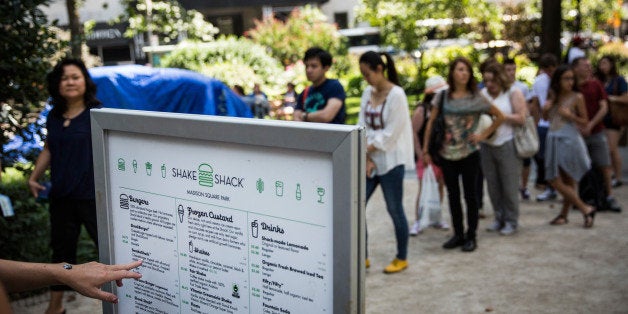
(418, 117)
(326, 114)
(498, 119)
(581, 117)
(426, 137)
(42, 163)
(535, 109)
(518, 117)
(84, 278)
(597, 118)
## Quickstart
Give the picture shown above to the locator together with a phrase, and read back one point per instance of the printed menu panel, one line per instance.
(221, 228)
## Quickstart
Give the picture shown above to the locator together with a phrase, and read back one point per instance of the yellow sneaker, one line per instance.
(396, 265)
(367, 263)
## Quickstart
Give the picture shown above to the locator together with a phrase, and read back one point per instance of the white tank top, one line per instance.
(504, 132)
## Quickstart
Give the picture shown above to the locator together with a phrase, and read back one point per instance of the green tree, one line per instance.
(167, 20)
(28, 46)
(305, 28)
(407, 23)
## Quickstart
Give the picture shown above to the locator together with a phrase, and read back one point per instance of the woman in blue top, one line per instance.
(617, 90)
(68, 153)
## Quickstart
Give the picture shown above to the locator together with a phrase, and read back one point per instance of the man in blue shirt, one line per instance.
(324, 100)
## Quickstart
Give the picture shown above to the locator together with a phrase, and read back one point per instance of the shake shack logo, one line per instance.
(205, 176)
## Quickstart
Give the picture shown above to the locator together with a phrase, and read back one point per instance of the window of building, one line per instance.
(341, 19)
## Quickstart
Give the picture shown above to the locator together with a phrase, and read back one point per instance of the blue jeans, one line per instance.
(392, 187)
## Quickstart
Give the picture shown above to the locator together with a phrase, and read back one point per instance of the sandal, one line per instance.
(589, 218)
(559, 220)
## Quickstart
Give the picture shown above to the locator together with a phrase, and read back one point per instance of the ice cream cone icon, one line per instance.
(181, 212)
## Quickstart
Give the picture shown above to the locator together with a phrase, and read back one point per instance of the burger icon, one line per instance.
(205, 175)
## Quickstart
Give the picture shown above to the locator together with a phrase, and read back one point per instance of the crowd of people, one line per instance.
(445, 134)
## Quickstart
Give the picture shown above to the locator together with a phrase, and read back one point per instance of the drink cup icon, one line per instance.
(181, 213)
(205, 175)
(279, 188)
(149, 168)
(254, 229)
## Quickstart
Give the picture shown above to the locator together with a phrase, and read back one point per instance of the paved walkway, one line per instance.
(540, 269)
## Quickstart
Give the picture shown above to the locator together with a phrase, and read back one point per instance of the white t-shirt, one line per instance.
(540, 88)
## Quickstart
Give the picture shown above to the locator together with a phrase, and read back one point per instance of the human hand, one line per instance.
(35, 187)
(565, 113)
(87, 278)
(475, 138)
(370, 167)
(427, 159)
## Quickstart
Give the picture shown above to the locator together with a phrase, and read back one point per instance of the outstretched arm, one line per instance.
(86, 279)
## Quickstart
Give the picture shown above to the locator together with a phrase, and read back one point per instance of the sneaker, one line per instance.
(416, 228)
(508, 230)
(396, 266)
(548, 194)
(613, 205)
(441, 225)
(616, 183)
(525, 194)
(367, 263)
(494, 227)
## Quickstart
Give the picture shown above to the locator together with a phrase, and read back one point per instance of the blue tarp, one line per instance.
(167, 90)
(144, 88)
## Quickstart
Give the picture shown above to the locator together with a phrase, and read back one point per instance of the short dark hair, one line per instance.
(60, 104)
(548, 60)
(509, 61)
(322, 55)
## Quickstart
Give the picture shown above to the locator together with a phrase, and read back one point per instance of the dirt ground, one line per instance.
(540, 269)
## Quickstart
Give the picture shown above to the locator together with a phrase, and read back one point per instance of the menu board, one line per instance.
(221, 227)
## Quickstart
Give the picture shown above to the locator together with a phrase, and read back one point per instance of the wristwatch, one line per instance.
(304, 116)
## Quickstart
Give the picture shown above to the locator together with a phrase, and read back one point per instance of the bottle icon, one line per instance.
(181, 212)
(134, 166)
(254, 229)
(298, 194)
(163, 170)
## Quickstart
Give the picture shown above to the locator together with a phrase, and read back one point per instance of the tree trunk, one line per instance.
(551, 28)
(76, 31)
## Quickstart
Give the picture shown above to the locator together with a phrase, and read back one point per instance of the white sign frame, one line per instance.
(344, 143)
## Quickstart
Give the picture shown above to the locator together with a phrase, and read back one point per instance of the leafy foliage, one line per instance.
(231, 60)
(303, 29)
(28, 47)
(399, 20)
(166, 19)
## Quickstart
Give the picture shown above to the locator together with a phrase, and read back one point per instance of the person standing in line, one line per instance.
(324, 100)
(459, 152)
(68, 153)
(596, 102)
(510, 67)
(384, 115)
(500, 164)
(433, 85)
(617, 90)
(566, 157)
(540, 89)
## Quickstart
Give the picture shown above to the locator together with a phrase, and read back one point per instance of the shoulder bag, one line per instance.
(437, 136)
(526, 137)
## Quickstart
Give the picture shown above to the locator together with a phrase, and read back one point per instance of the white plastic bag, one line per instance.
(429, 205)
